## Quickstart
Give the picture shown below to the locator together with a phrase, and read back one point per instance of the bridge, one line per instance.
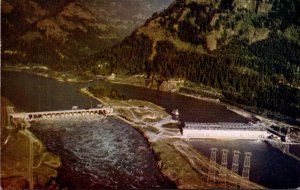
(31, 116)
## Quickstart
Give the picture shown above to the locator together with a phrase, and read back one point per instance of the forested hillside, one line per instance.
(250, 50)
(51, 33)
(125, 16)
(59, 33)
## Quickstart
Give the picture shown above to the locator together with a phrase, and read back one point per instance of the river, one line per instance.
(127, 163)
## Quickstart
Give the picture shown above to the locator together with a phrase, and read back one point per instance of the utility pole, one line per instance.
(246, 168)
(212, 165)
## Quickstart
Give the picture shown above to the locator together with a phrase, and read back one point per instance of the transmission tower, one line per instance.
(224, 163)
(235, 161)
(246, 168)
(212, 166)
(235, 165)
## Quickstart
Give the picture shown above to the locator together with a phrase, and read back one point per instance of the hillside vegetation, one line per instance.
(59, 33)
(250, 50)
(51, 33)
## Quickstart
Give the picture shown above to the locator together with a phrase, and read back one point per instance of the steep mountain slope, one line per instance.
(56, 34)
(248, 49)
(127, 15)
(59, 33)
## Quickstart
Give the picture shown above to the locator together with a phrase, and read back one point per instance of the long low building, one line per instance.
(225, 131)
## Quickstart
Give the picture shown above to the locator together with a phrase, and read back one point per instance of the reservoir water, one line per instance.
(92, 147)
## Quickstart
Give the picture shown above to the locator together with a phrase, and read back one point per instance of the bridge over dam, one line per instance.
(31, 116)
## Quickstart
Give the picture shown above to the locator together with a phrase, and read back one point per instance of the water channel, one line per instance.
(109, 153)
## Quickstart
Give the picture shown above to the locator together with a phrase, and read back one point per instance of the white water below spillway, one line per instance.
(100, 151)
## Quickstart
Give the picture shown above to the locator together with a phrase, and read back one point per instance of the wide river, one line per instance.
(105, 152)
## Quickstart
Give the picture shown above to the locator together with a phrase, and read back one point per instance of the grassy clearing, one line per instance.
(137, 80)
(171, 126)
(124, 112)
(133, 110)
(138, 113)
(144, 103)
(151, 129)
(151, 120)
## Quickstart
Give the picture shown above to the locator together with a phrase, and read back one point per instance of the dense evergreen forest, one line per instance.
(259, 82)
(264, 74)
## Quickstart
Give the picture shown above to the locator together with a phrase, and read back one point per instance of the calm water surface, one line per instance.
(33, 93)
(269, 166)
(89, 144)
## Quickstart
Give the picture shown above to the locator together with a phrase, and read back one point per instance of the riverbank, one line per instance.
(25, 162)
(48, 73)
(208, 94)
(176, 159)
(140, 81)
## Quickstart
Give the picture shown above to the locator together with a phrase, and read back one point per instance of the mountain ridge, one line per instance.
(247, 49)
(59, 33)
(55, 35)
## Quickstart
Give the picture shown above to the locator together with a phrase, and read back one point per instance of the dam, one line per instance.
(225, 131)
(31, 116)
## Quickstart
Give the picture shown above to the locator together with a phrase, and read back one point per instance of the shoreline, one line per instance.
(156, 156)
(234, 108)
(55, 75)
(16, 142)
(162, 159)
(238, 110)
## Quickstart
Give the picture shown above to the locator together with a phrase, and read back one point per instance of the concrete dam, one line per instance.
(225, 131)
